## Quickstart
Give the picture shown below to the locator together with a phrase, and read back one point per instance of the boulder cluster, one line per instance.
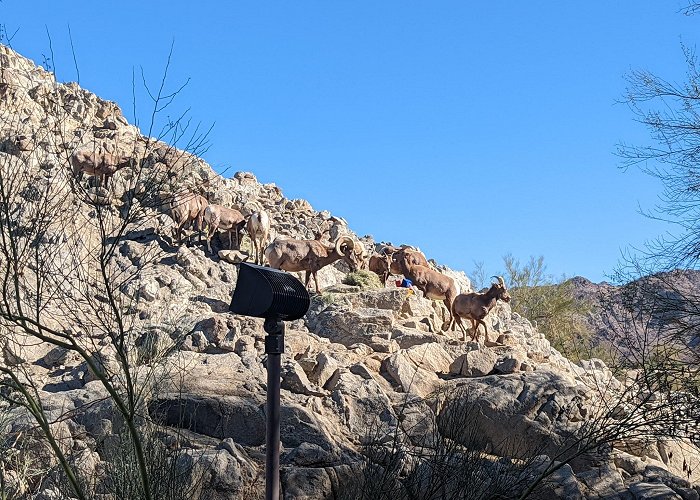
(365, 370)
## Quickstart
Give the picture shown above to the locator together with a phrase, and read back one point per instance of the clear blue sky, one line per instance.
(470, 129)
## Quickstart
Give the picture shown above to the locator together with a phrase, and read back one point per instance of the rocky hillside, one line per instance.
(368, 383)
(670, 298)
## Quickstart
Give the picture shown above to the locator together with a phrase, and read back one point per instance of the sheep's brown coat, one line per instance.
(311, 255)
(229, 220)
(258, 228)
(475, 306)
(435, 286)
(186, 208)
(98, 163)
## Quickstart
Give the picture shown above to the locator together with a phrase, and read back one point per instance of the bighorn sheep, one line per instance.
(361, 255)
(258, 228)
(379, 264)
(98, 163)
(311, 255)
(227, 219)
(405, 257)
(186, 208)
(395, 260)
(475, 306)
(435, 286)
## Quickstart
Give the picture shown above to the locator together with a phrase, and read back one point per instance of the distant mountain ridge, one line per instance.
(675, 295)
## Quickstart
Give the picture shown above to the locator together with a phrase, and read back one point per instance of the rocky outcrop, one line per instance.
(364, 370)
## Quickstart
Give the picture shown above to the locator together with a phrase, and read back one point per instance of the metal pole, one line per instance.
(274, 347)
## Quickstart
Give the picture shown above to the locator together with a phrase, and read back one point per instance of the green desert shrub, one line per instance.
(363, 279)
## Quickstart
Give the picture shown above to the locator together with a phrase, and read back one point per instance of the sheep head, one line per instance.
(346, 247)
(361, 254)
(501, 290)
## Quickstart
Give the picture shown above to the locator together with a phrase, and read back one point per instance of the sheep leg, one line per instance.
(316, 281)
(458, 321)
(200, 226)
(210, 235)
(213, 225)
(448, 305)
(475, 331)
(486, 331)
(180, 228)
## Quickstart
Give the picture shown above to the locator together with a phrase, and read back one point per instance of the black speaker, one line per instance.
(264, 292)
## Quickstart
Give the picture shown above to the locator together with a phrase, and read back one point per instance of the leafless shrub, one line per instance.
(63, 277)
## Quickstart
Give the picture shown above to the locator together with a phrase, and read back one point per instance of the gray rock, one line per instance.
(58, 356)
(238, 452)
(605, 481)
(233, 256)
(14, 354)
(362, 405)
(348, 326)
(629, 463)
(653, 491)
(531, 409)
(475, 363)
(510, 361)
(216, 330)
(149, 290)
(418, 422)
(222, 417)
(218, 474)
(325, 367)
(306, 483)
(422, 325)
(298, 425)
(294, 379)
(415, 369)
(563, 484)
(409, 337)
(361, 370)
(307, 454)
(105, 363)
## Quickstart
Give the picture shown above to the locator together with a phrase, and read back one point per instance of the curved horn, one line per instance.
(501, 281)
(342, 240)
(388, 250)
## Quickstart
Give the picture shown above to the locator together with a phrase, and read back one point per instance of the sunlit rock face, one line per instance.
(368, 375)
